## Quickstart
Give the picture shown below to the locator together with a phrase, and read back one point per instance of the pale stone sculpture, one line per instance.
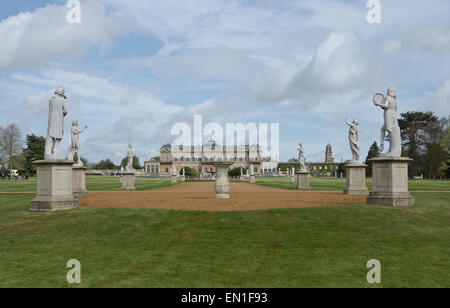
(55, 132)
(54, 174)
(130, 155)
(222, 184)
(174, 174)
(128, 177)
(75, 147)
(353, 137)
(303, 174)
(252, 174)
(292, 180)
(389, 105)
(301, 157)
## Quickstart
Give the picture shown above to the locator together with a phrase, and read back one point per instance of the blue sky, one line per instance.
(132, 69)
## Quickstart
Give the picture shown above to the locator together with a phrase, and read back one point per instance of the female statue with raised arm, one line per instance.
(353, 138)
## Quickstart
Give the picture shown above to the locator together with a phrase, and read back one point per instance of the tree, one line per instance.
(235, 172)
(412, 126)
(136, 164)
(435, 157)
(35, 148)
(11, 143)
(374, 151)
(157, 158)
(106, 164)
(189, 172)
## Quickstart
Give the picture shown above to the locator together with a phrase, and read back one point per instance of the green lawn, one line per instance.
(92, 183)
(340, 184)
(311, 247)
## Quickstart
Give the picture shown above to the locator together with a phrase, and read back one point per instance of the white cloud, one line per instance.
(43, 36)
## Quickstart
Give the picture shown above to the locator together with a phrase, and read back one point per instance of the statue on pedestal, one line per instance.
(389, 105)
(252, 170)
(75, 147)
(353, 137)
(55, 132)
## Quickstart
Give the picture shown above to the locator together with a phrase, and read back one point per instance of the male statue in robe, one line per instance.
(55, 132)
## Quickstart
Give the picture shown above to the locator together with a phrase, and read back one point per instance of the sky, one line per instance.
(132, 69)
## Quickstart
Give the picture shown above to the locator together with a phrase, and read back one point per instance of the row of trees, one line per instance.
(425, 139)
(19, 154)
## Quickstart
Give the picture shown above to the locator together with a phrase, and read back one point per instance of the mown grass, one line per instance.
(92, 183)
(340, 184)
(311, 247)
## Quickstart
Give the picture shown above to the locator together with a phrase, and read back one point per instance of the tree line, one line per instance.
(425, 139)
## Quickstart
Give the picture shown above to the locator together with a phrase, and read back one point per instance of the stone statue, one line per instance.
(75, 147)
(183, 172)
(174, 170)
(353, 137)
(301, 157)
(55, 132)
(121, 170)
(293, 171)
(242, 172)
(252, 170)
(389, 105)
(130, 155)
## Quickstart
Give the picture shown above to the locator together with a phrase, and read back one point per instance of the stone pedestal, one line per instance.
(54, 186)
(303, 180)
(174, 179)
(222, 185)
(183, 179)
(241, 178)
(356, 179)
(128, 181)
(390, 182)
(79, 182)
(292, 179)
(253, 179)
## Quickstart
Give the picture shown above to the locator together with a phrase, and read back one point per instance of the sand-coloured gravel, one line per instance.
(201, 197)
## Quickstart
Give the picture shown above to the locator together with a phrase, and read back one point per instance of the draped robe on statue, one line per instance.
(56, 113)
(390, 113)
(353, 138)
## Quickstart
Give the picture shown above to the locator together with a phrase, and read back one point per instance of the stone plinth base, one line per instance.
(303, 180)
(292, 179)
(390, 182)
(174, 179)
(253, 179)
(356, 179)
(79, 182)
(183, 179)
(128, 181)
(54, 186)
(241, 178)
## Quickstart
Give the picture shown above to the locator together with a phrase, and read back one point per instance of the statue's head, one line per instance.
(355, 122)
(75, 123)
(60, 92)
(392, 92)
